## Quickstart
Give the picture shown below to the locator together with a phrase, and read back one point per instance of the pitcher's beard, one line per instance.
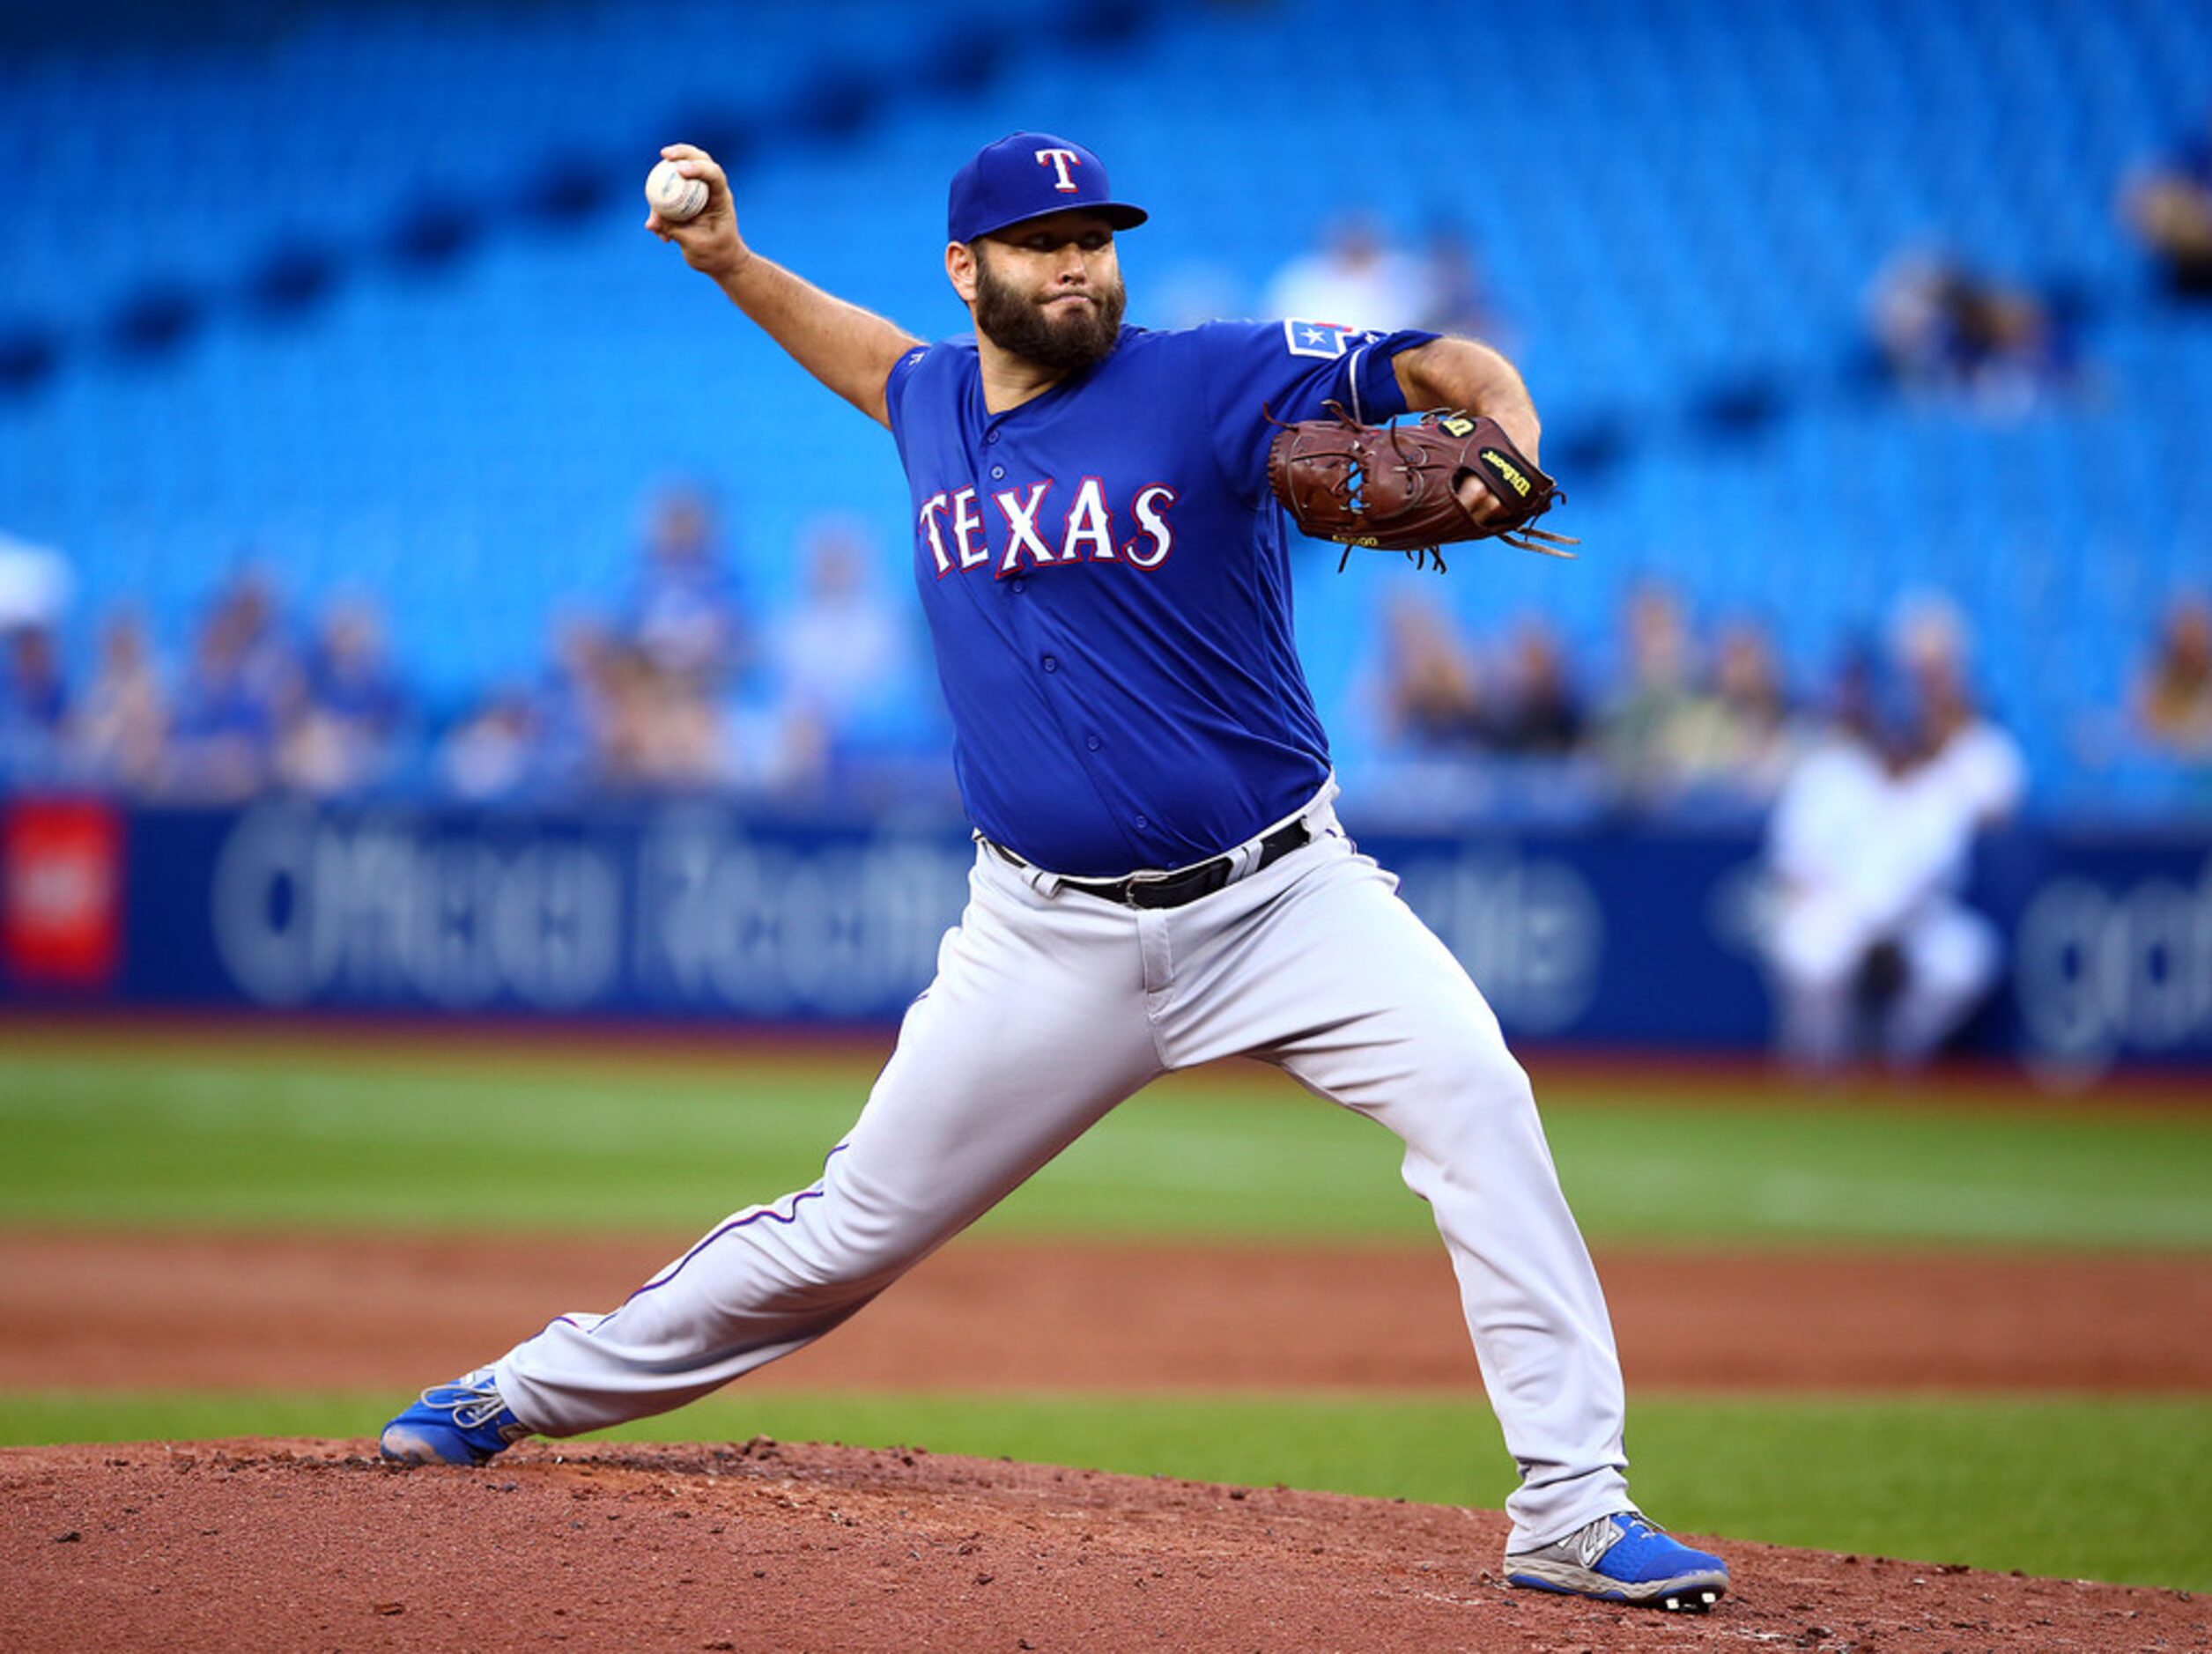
(1020, 327)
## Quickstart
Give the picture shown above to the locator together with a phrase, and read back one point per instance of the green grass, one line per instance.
(196, 1135)
(150, 1133)
(2094, 1488)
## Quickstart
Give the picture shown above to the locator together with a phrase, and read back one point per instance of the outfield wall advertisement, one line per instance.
(698, 912)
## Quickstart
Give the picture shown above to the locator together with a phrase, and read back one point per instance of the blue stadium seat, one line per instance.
(1704, 200)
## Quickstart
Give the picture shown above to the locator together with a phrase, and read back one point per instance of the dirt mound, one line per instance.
(308, 1544)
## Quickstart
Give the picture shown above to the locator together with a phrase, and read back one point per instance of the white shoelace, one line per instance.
(477, 1404)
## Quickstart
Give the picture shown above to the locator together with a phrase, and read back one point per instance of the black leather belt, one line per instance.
(1174, 889)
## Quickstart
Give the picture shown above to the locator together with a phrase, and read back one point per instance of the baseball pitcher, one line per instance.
(1160, 878)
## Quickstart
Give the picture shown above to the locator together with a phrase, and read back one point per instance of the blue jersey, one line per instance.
(1108, 588)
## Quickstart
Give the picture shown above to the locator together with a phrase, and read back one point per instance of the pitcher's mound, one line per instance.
(312, 1544)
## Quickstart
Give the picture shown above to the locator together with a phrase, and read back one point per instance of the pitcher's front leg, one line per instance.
(1033, 1028)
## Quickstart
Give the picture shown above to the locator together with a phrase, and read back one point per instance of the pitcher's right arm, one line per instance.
(848, 348)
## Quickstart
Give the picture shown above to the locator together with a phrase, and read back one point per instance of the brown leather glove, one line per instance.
(1394, 487)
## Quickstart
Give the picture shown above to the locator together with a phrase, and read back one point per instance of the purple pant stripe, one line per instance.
(746, 1222)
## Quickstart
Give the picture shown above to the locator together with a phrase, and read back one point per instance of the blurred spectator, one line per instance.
(1942, 327)
(570, 719)
(2169, 206)
(1843, 876)
(1870, 946)
(1538, 712)
(684, 613)
(35, 593)
(654, 730)
(628, 745)
(1643, 730)
(268, 658)
(1432, 695)
(1354, 279)
(494, 753)
(122, 726)
(840, 658)
(2173, 695)
(345, 734)
(33, 702)
(654, 696)
(1969, 756)
(240, 685)
(1732, 744)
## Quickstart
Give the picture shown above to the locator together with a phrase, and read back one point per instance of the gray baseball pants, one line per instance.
(1050, 1006)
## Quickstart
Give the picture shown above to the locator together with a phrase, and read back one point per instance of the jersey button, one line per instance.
(990, 436)
(997, 471)
(1017, 586)
(1051, 664)
(1141, 822)
(1094, 743)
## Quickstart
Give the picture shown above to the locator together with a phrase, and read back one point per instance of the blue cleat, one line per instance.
(464, 1423)
(1622, 1558)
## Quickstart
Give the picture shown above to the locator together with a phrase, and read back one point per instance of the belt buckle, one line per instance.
(1201, 880)
(1217, 873)
(1137, 881)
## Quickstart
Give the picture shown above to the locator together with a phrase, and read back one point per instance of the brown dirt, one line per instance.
(312, 1545)
(315, 1544)
(192, 1311)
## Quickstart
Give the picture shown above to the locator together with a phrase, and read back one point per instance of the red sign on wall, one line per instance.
(61, 892)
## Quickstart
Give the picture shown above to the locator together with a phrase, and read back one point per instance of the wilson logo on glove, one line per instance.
(1507, 472)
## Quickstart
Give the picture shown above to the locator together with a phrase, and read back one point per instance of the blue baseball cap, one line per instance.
(1026, 176)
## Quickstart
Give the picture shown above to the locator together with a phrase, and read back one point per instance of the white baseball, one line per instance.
(673, 196)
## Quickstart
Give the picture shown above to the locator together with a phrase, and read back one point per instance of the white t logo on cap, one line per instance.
(1060, 161)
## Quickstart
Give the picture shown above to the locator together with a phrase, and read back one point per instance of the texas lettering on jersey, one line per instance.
(957, 526)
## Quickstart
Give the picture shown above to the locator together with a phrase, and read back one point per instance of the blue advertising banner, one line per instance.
(1616, 937)
(689, 911)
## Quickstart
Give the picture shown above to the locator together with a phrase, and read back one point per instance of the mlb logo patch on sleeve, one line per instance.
(1316, 338)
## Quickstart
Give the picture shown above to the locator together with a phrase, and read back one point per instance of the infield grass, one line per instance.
(1994, 1482)
(198, 1134)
